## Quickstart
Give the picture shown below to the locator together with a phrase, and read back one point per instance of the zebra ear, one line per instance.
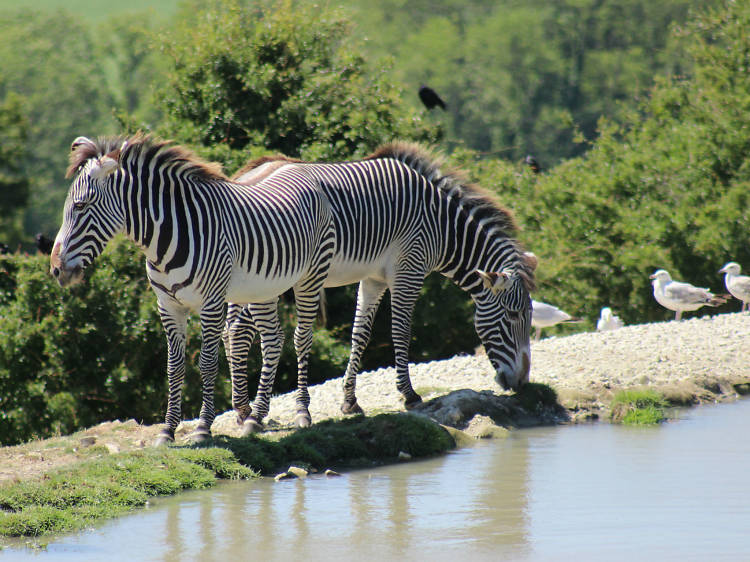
(105, 166)
(80, 141)
(494, 281)
(530, 259)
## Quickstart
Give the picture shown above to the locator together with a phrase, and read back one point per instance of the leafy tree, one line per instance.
(51, 62)
(247, 79)
(528, 77)
(668, 189)
(14, 186)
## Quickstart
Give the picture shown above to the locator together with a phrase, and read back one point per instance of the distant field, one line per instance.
(95, 10)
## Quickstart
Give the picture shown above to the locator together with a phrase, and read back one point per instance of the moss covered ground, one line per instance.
(103, 485)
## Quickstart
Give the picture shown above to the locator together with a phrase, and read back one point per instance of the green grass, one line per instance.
(638, 407)
(534, 396)
(70, 499)
(110, 485)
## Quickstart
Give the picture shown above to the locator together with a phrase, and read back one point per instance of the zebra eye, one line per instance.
(79, 205)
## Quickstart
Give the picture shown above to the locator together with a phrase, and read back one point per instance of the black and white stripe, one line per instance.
(207, 241)
(397, 218)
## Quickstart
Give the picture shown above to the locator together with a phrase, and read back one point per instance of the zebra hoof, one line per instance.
(412, 401)
(250, 426)
(352, 408)
(164, 438)
(200, 434)
(303, 419)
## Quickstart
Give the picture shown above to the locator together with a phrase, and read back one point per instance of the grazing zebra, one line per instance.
(206, 241)
(398, 217)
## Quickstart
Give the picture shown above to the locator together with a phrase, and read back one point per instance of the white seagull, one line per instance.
(544, 315)
(608, 321)
(738, 285)
(679, 296)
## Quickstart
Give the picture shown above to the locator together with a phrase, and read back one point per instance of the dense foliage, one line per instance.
(250, 79)
(14, 185)
(659, 122)
(64, 93)
(667, 189)
(527, 77)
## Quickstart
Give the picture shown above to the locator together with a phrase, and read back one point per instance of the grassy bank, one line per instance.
(638, 407)
(105, 485)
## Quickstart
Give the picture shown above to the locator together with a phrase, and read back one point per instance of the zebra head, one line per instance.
(503, 322)
(92, 214)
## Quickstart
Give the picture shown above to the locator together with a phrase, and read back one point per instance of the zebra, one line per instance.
(207, 241)
(397, 218)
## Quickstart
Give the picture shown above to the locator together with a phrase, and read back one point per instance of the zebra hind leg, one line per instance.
(369, 296)
(266, 320)
(238, 336)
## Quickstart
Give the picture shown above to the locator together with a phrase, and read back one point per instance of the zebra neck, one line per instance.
(480, 248)
(156, 215)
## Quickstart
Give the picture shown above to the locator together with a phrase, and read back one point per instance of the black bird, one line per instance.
(44, 244)
(430, 98)
(533, 164)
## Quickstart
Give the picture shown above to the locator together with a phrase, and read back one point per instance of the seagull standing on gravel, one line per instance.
(679, 296)
(544, 315)
(738, 285)
(608, 321)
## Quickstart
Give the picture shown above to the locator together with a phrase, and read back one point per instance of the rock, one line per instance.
(330, 472)
(87, 441)
(483, 427)
(284, 476)
(297, 471)
(402, 456)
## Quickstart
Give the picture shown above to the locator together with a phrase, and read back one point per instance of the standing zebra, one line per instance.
(206, 241)
(398, 218)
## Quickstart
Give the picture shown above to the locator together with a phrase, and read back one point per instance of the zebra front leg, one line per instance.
(265, 317)
(369, 296)
(238, 336)
(212, 320)
(404, 294)
(174, 320)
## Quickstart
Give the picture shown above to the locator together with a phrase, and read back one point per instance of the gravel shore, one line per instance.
(691, 361)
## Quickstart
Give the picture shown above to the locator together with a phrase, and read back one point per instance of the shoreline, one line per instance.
(694, 361)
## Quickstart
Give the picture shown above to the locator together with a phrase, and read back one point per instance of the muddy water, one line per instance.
(676, 492)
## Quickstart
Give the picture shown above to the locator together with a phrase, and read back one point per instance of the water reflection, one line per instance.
(472, 499)
(676, 492)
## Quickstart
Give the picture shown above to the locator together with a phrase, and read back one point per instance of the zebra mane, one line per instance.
(123, 146)
(481, 203)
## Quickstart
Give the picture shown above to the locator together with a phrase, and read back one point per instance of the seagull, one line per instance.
(608, 321)
(738, 285)
(544, 315)
(679, 296)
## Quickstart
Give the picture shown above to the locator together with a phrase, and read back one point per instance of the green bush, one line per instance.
(668, 188)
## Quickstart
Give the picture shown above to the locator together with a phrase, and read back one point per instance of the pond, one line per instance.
(674, 492)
